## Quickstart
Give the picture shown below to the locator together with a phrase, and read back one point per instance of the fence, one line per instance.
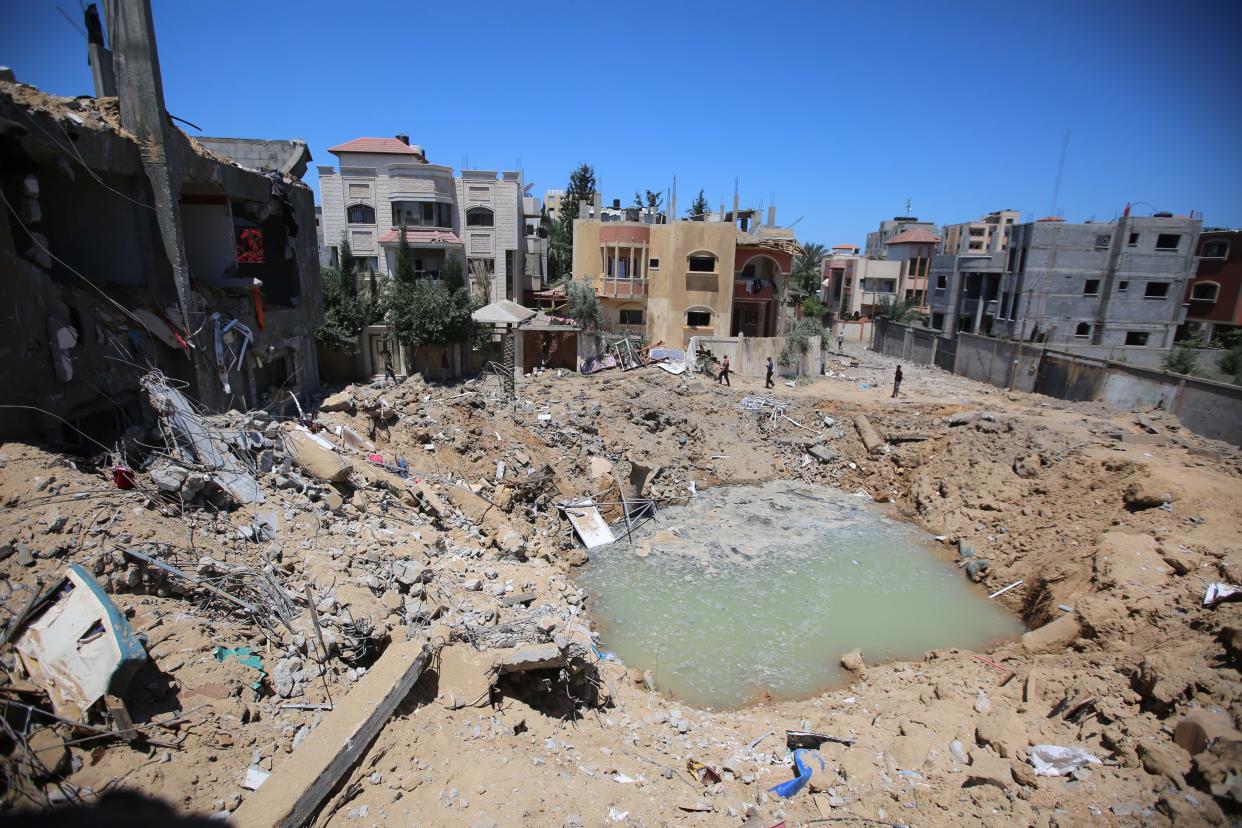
(748, 355)
(1210, 409)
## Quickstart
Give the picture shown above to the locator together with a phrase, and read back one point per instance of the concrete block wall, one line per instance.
(748, 355)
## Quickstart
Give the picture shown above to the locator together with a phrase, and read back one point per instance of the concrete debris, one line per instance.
(312, 456)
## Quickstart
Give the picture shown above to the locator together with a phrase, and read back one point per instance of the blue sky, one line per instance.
(838, 111)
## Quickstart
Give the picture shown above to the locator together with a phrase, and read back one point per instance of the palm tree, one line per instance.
(900, 311)
(806, 268)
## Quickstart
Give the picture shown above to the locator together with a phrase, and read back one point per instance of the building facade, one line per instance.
(987, 235)
(1116, 284)
(876, 248)
(477, 216)
(1214, 295)
(669, 282)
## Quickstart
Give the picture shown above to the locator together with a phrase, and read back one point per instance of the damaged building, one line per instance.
(128, 246)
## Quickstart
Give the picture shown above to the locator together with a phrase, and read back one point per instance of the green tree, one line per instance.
(900, 311)
(342, 312)
(807, 274)
(581, 188)
(405, 258)
(698, 207)
(560, 236)
(1182, 359)
(425, 313)
(652, 200)
(583, 306)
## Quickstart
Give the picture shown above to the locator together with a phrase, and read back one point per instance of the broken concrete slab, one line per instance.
(870, 437)
(1200, 728)
(313, 458)
(822, 453)
(342, 401)
(530, 657)
(295, 791)
(465, 676)
(1052, 637)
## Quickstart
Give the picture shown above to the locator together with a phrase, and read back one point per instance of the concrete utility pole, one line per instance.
(141, 91)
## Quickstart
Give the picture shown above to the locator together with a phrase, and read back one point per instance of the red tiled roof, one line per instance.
(390, 145)
(845, 247)
(1050, 218)
(419, 236)
(915, 235)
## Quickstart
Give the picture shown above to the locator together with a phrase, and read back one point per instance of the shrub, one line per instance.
(1181, 360)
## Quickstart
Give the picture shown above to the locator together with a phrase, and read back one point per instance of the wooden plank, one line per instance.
(303, 781)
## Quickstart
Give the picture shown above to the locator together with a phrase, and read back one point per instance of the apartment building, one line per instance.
(552, 202)
(1116, 284)
(912, 250)
(1214, 294)
(876, 248)
(669, 282)
(854, 284)
(987, 235)
(477, 216)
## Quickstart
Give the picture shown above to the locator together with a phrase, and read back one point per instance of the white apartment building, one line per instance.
(476, 216)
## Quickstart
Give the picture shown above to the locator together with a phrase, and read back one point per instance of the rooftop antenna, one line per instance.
(1056, 188)
(907, 205)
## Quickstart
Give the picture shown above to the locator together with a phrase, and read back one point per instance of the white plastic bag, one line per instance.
(1054, 760)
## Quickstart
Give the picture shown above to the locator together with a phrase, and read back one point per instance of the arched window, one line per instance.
(703, 262)
(360, 214)
(1205, 291)
(1215, 249)
(699, 318)
(479, 217)
(1083, 330)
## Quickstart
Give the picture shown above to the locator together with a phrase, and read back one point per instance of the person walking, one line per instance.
(840, 343)
(897, 382)
(723, 379)
(769, 383)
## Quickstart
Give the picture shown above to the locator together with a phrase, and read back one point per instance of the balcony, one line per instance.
(611, 287)
(703, 282)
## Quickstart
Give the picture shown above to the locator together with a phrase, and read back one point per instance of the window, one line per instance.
(1102, 241)
(974, 245)
(698, 319)
(1205, 292)
(1122, 287)
(367, 264)
(479, 217)
(1134, 237)
(703, 264)
(1168, 241)
(938, 321)
(1082, 331)
(1156, 290)
(360, 214)
(1215, 250)
(1091, 288)
(942, 282)
(976, 231)
(422, 214)
(1136, 337)
(631, 317)
(654, 264)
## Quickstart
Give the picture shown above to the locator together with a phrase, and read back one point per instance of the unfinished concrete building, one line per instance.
(128, 246)
(1089, 284)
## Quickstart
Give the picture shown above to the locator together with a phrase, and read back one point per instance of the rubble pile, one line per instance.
(269, 565)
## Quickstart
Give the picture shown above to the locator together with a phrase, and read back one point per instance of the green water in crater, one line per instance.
(754, 591)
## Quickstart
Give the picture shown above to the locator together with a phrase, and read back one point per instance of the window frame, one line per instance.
(1215, 293)
(699, 257)
(480, 211)
(1080, 333)
(696, 312)
(653, 264)
(621, 314)
(1145, 335)
(1211, 244)
(349, 219)
(1165, 248)
(1147, 294)
(1134, 239)
(1086, 287)
(1123, 286)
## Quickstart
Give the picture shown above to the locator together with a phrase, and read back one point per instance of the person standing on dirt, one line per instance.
(769, 383)
(723, 379)
(388, 370)
(897, 382)
(840, 343)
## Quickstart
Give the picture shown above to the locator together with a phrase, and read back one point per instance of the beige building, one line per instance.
(987, 235)
(669, 282)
